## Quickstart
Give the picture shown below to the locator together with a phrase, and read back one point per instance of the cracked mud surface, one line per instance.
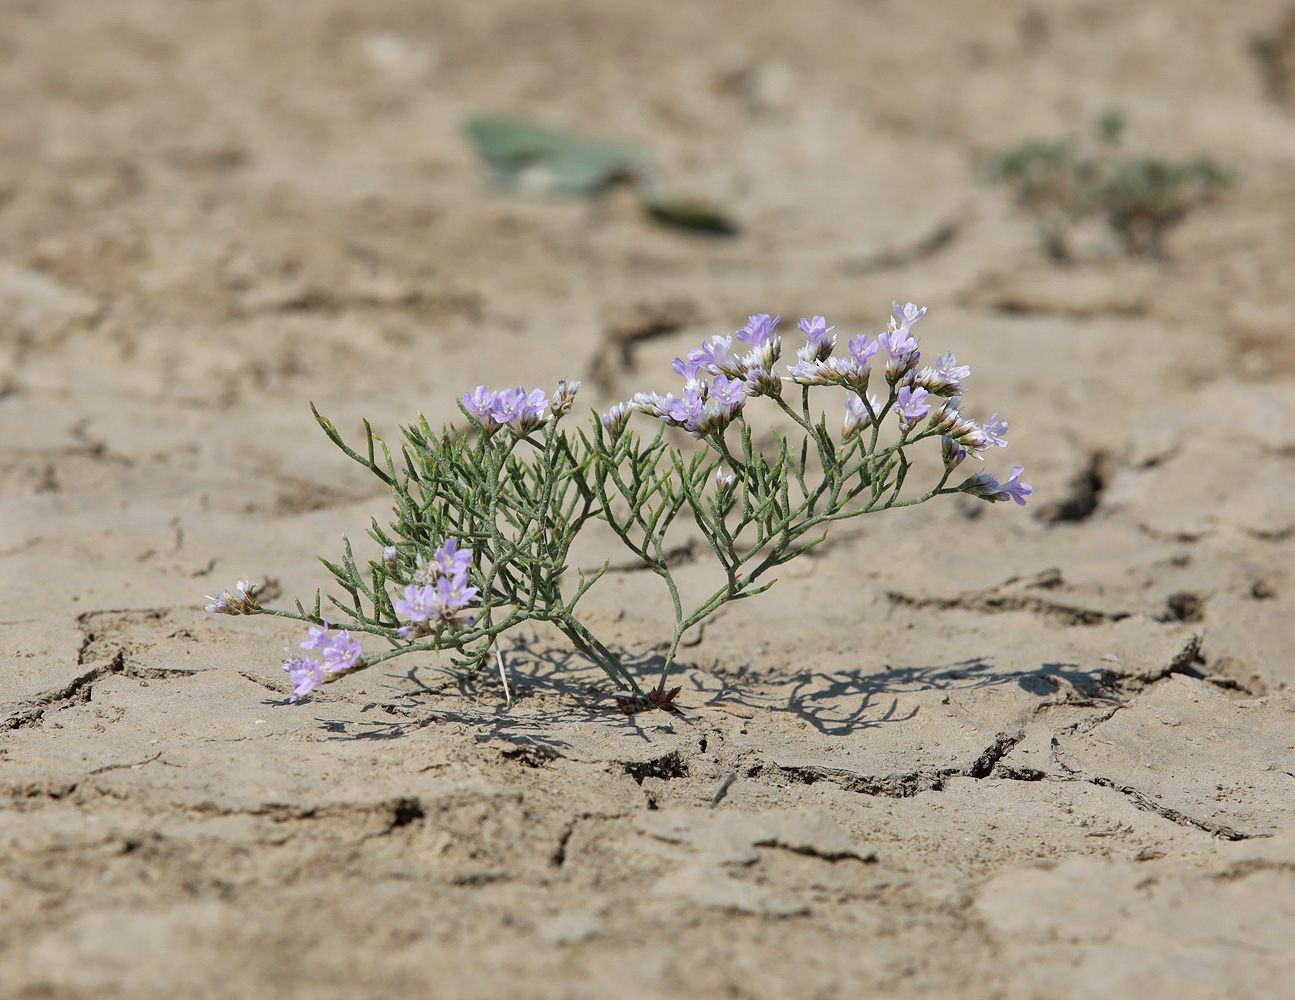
(958, 752)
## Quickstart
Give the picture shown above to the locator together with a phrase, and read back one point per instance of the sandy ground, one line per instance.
(978, 752)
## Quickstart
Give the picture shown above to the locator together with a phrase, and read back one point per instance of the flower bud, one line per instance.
(564, 398)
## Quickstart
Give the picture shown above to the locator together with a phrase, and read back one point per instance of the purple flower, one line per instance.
(450, 560)
(819, 341)
(863, 351)
(689, 368)
(318, 638)
(482, 404)
(418, 604)
(688, 411)
(907, 315)
(1016, 489)
(715, 355)
(723, 482)
(991, 434)
(341, 653)
(453, 594)
(985, 486)
(910, 404)
(305, 674)
(729, 394)
(758, 331)
(897, 343)
(947, 365)
(521, 412)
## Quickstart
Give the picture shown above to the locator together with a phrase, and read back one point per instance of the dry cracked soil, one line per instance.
(961, 751)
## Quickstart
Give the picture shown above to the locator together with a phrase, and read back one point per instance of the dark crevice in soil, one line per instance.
(559, 856)
(1183, 606)
(1003, 744)
(1083, 494)
(991, 601)
(75, 692)
(531, 756)
(903, 786)
(1148, 804)
(670, 765)
(405, 811)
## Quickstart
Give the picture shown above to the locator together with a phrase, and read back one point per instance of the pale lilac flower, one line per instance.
(418, 604)
(340, 653)
(481, 403)
(729, 394)
(389, 558)
(616, 418)
(723, 482)
(906, 316)
(952, 452)
(819, 341)
(450, 560)
(863, 351)
(686, 411)
(564, 397)
(521, 412)
(318, 638)
(758, 331)
(689, 368)
(857, 415)
(1016, 489)
(947, 365)
(453, 595)
(991, 434)
(897, 343)
(910, 404)
(305, 674)
(716, 357)
(985, 486)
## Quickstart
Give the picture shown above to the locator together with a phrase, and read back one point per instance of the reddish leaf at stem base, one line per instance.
(653, 699)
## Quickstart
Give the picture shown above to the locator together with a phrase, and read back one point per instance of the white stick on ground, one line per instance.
(499, 657)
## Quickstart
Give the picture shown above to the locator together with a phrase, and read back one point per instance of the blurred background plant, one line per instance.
(1275, 53)
(525, 154)
(1064, 182)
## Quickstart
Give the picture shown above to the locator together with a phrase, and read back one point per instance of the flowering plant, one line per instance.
(486, 514)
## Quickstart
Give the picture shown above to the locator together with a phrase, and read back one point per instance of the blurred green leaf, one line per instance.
(523, 153)
(689, 214)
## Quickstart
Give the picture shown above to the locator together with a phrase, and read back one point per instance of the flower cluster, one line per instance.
(438, 593)
(516, 409)
(244, 603)
(717, 381)
(337, 654)
(707, 406)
